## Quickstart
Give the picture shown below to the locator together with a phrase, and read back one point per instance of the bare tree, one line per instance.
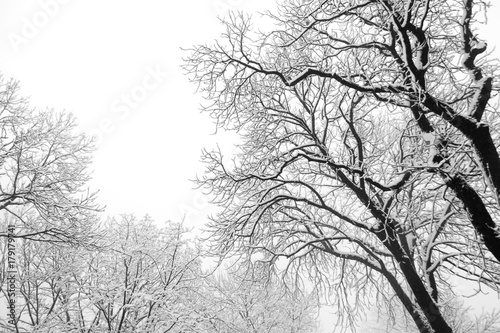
(143, 281)
(252, 299)
(47, 297)
(44, 173)
(462, 319)
(369, 158)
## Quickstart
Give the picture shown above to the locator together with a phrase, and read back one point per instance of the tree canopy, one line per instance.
(44, 173)
(147, 278)
(369, 159)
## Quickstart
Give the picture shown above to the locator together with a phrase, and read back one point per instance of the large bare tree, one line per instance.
(368, 158)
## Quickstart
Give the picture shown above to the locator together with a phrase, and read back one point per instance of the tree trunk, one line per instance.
(489, 160)
(422, 324)
(479, 135)
(478, 214)
(388, 237)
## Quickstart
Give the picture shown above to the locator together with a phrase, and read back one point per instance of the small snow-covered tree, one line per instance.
(44, 173)
(254, 300)
(47, 298)
(144, 280)
(368, 159)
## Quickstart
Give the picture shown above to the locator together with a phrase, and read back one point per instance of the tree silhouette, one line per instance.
(368, 161)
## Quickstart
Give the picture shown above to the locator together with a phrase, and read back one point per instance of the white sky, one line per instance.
(88, 54)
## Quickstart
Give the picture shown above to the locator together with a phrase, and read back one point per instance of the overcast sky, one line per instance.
(116, 66)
